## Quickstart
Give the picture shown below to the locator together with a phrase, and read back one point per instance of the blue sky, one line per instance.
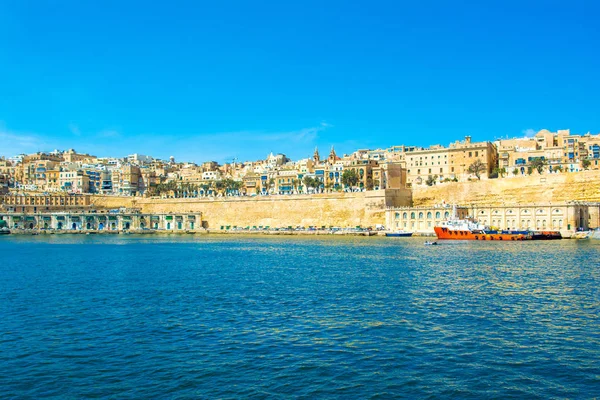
(223, 79)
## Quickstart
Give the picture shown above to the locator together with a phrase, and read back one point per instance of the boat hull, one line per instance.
(546, 235)
(444, 233)
(399, 234)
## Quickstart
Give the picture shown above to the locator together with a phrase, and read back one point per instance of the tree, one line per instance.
(529, 170)
(308, 182)
(477, 168)
(431, 180)
(269, 185)
(500, 171)
(586, 163)
(370, 183)
(349, 178)
(558, 168)
(516, 171)
(538, 163)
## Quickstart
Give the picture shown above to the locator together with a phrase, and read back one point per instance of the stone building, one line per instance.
(39, 203)
(91, 220)
(566, 217)
(450, 162)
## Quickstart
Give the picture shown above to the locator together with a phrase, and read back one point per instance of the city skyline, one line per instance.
(237, 80)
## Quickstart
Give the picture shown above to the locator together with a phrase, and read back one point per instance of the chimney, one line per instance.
(467, 139)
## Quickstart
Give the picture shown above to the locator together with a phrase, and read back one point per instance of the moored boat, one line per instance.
(3, 228)
(399, 234)
(468, 229)
(545, 235)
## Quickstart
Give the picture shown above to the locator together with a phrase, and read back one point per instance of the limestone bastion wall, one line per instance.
(535, 189)
(332, 209)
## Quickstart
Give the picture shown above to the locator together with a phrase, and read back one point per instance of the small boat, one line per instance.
(431, 243)
(4, 228)
(399, 234)
(595, 234)
(545, 235)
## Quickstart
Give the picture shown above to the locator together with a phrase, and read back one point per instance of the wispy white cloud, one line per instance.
(529, 133)
(13, 142)
(74, 129)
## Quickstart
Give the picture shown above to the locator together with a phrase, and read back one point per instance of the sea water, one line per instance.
(308, 317)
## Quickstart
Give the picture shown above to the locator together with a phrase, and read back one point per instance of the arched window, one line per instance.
(412, 215)
(437, 215)
(397, 215)
(446, 215)
(428, 214)
(405, 215)
(421, 215)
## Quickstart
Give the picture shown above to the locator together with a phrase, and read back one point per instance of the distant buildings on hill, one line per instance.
(365, 169)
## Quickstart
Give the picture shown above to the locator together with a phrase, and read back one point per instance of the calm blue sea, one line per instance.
(274, 317)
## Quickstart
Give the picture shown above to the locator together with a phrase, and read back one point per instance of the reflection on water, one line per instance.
(128, 316)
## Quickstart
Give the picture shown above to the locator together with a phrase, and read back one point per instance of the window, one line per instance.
(429, 215)
(470, 154)
(421, 215)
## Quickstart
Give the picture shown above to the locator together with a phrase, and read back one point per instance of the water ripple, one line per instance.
(256, 317)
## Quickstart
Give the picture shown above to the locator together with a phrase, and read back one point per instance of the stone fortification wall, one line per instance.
(335, 209)
(535, 189)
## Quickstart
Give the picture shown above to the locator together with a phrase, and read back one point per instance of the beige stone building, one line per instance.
(566, 217)
(450, 162)
(562, 151)
(38, 203)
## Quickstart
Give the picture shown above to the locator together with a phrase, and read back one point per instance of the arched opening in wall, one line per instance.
(45, 225)
(113, 226)
(60, 225)
(143, 225)
(73, 226)
(156, 225)
(101, 226)
(179, 225)
(192, 225)
(31, 225)
(168, 225)
(127, 225)
(88, 226)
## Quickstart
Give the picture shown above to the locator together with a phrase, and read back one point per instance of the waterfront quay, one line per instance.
(102, 221)
(567, 218)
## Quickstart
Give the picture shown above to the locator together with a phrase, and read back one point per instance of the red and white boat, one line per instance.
(469, 229)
